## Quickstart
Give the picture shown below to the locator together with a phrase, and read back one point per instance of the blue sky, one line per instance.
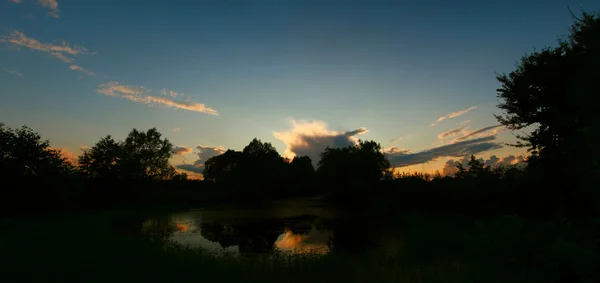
(219, 73)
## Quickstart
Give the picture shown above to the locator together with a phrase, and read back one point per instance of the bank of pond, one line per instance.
(299, 240)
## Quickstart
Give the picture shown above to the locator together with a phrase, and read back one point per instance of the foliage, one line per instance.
(23, 153)
(551, 90)
(361, 164)
(142, 156)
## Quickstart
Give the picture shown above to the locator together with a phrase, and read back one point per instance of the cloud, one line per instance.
(80, 69)
(191, 167)
(450, 168)
(401, 139)
(176, 130)
(451, 132)
(169, 92)
(310, 138)
(457, 149)
(52, 6)
(483, 132)
(16, 1)
(453, 115)
(68, 155)
(138, 94)
(61, 51)
(13, 73)
(181, 150)
(395, 150)
(204, 153)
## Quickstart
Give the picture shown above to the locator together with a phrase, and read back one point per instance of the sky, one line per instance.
(416, 76)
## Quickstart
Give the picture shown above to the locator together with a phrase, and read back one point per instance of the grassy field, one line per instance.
(82, 248)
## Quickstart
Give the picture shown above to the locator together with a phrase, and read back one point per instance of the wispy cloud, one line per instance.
(483, 132)
(176, 130)
(61, 51)
(310, 138)
(16, 1)
(13, 72)
(458, 149)
(453, 115)
(401, 139)
(169, 92)
(181, 150)
(139, 94)
(395, 150)
(451, 132)
(80, 69)
(52, 6)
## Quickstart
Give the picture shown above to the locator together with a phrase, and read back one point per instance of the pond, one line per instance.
(291, 226)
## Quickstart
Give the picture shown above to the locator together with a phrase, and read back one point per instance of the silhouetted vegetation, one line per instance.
(551, 232)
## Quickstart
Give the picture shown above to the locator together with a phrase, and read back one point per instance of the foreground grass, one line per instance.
(82, 249)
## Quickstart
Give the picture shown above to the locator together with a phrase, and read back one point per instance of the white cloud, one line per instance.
(61, 51)
(80, 69)
(52, 6)
(310, 138)
(176, 130)
(13, 73)
(139, 94)
(453, 115)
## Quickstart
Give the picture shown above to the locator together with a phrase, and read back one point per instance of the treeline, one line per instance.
(550, 90)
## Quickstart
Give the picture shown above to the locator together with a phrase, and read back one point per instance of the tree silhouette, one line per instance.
(23, 153)
(223, 168)
(262, 165)
(551, 90)
(102, 160)
(142, 156)
(360, 165)
(147, 155)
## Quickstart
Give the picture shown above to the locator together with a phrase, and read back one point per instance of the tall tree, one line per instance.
(147, 155)
(552, 90)
(102, 160)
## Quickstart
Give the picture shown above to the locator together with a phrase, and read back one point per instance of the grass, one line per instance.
(81, 248)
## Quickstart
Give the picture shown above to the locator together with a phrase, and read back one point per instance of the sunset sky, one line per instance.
(416, 76)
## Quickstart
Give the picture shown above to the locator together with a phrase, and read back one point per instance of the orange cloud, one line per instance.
(169, 92)
(138, 94)
(181, 150)
(295, 243)
(19, 39)
(67, 154)
(483, 132)
(80, 69)
(453, 115)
